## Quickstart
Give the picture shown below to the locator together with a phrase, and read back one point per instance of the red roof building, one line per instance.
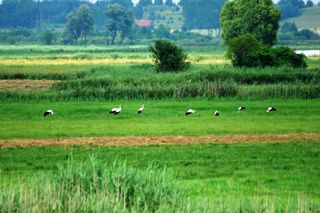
(145, 23)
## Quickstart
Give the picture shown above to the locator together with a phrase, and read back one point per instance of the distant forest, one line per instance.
(30, 13)
(70, 21)
(198, 14)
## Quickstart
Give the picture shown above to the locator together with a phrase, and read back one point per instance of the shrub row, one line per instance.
(158, 91)
(39, 76)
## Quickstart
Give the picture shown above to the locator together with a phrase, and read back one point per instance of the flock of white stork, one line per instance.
(117, 110)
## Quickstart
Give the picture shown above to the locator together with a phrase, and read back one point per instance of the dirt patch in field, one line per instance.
(25, 84)
(162, 140)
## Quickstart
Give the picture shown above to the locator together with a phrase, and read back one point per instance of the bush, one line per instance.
(168, 56)
(246, 51)
(289, 27)
(243, 50)
(284, 56)
(48, 37)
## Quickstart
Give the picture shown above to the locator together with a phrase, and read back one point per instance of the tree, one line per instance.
(144, 3)
(201, 14)
(308, 34)
(168, 57)
(247, 51)
(162, 32)
(80, 24)
(242, 50)
(48, 37)
(138, 12)
(73, 29)
(86, 21)
(289, 28)
(119, 20)
(260, 18)
(124, 3)
(169, 3)
(309, 3)
(158, 2)
(290, 8)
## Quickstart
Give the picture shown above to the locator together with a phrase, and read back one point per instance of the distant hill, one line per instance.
(169, 16)
(309, 19)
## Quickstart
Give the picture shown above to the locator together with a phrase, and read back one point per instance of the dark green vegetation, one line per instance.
(162, 118)
(290, 8)
(80, 24)
(250, 35)
(110, 82)
(240, 17)
(219, 177)
(168, 57)
(120, 20)
(289, 31)
(246, 51)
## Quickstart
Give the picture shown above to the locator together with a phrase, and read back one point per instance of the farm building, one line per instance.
(147, 23)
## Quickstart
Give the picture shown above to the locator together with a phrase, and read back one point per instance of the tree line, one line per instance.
(198, 14)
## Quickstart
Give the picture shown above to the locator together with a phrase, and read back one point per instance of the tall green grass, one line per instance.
(93, 186)
(102, 90)
(105, 185)
(142, 82)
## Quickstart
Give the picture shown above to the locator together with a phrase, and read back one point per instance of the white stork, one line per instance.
(115, 110)
(48, 113)
(271, 109)
(190, 112)
(241, 108)
(141, 109)
(216, 113)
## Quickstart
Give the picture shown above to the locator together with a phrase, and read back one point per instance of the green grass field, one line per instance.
(87, 119)
(252, 177)
(86, 82)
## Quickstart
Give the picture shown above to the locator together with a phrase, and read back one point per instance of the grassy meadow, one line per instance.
(161, 118)
(84, 83)
(201, 178)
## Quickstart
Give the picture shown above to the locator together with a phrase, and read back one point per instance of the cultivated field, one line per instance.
(160, 160)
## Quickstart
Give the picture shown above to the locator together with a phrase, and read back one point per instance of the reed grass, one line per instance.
(192, 178)
(93, 186)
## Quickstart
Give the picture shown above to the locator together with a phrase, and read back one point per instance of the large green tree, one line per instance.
(86, 21)
(120, 21)
(80, 24)
(257, 17)
(73, 30)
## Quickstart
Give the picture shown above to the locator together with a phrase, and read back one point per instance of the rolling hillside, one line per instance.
(310, 18)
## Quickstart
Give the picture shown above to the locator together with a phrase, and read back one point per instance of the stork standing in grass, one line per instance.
(48, 113)
(141, 109)
(116, 110)
(271, 109)
(216, 113)
(190, 112)
(241, 109)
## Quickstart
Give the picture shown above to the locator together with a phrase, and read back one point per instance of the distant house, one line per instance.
(145, 23)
